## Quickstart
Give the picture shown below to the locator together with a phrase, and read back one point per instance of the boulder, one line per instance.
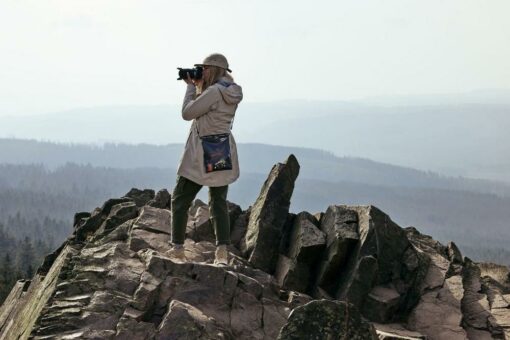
(382, 256)
(183, 321)
(268, 216)
(78, 217)
(340, 226)
(325, 319)
(307, 241)
(239, 227)
(162, 200)
(154, 220)
(454, 253)
(305, 247)
(88, 226)
(292, 274)
(438, 314)
(119, 214)
(140, 197)
(199, 226)
(109, 204)
(476, 309)
(234, 211)
(381, 304)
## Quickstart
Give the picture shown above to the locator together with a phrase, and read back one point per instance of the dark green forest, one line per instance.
(38, 202)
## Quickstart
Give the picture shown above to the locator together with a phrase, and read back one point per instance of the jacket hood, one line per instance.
(230, 91)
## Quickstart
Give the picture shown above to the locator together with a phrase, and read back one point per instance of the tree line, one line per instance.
(19, 258)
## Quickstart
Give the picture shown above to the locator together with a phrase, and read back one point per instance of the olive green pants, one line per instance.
(184, 193)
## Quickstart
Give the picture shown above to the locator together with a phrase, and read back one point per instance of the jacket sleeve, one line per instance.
(194, 108)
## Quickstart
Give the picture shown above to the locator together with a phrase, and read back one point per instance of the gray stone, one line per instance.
(234, 211)
(268, 216)
(246, 316)
(131, 329)
(109, 204)
(162, 200)
(360, 284)
(454, 253)
(274, 317)
(296, 299)
(140, 197)
(396, 332)
(88, 226)
(475, 305)
(438, 313)
(119, 214)
(341, 229)
(292, 275)
(325, 319)
(79, 217)
(239, 227)
(184, 321)
(154, 220)
(142, 239)
(195, 205)
(199, 227)
(146, 293)
(381, 304)
(382, 240)
(307, 242)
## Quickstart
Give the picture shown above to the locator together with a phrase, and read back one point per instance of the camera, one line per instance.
(194, 73)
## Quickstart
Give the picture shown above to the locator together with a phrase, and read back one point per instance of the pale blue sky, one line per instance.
(65, 54)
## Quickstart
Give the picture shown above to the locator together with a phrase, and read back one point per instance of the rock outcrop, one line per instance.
(349, 272)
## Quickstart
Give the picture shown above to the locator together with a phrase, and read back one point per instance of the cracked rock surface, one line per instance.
(347, 272)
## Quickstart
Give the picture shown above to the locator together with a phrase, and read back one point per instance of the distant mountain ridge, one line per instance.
(457, 137)
(254, 158)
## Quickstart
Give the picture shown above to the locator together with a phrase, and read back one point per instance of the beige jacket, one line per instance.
(212, 113)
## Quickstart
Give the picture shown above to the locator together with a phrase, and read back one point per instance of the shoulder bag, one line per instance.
(217, 155)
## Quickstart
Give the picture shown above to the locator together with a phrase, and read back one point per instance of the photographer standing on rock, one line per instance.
(210, 154)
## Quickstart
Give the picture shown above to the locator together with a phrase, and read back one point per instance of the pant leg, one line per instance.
(218, 210)
(184, 193)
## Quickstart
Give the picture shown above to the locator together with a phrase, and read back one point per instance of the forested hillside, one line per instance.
(254, 158)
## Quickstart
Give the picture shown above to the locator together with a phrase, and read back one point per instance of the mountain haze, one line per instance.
(452, 136)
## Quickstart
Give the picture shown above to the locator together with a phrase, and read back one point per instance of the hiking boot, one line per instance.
(221, 255)
(176, 253)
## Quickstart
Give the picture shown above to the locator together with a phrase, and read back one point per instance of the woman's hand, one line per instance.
(188, 80)
(196, 82)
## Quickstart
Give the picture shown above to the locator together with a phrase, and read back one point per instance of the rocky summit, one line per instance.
(348, 272)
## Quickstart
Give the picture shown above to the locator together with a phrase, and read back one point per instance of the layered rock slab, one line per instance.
(306, 244)
(369, 262)
(268, 216)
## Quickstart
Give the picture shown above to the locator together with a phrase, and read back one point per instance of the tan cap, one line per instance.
(215, 59)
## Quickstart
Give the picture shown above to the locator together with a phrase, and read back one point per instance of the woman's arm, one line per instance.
(192, 109)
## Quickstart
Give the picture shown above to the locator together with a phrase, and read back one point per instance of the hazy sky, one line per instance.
(64, 54)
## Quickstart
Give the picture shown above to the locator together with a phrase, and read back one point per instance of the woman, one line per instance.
(211, 103)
